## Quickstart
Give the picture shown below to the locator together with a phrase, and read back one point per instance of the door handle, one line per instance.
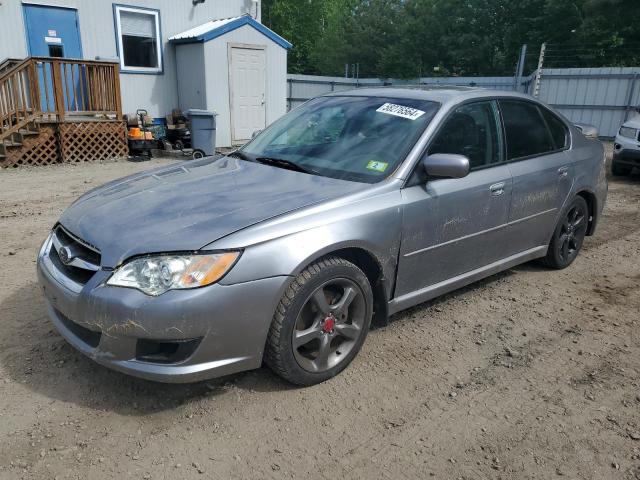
(563, 171)
(497, 189)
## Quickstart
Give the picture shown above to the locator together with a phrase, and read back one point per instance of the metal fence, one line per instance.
(603, 97)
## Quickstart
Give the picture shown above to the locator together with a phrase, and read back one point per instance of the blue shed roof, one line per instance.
(216, 28)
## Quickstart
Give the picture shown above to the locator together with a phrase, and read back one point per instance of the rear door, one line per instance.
(52, 31)
(247, 88)
(453, 226)
(542, 173)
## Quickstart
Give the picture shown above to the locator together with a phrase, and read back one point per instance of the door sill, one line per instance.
(432, 291)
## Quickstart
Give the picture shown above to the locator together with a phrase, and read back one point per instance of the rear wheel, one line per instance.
(569, 235)
(320, 323)
(620, 170)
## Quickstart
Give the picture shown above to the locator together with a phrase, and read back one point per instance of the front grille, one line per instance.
(81, 260)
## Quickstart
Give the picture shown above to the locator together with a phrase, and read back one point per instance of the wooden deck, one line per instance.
(56, 110)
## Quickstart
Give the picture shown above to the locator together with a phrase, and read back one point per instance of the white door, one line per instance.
(247, 91)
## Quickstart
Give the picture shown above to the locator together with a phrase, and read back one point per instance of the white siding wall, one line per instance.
(156, 93)
(191, 76)
(217, 78)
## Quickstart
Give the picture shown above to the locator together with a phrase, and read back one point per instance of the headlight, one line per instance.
(157, 274)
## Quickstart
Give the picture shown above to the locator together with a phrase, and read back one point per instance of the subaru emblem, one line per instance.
(65, 255)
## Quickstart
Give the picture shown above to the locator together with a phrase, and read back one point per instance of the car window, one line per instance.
(353, 138)
(471, 130)
(525, 130)
(324, 126)
(557, 127)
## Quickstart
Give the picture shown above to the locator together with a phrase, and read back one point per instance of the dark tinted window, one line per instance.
(471, 130)
(526, 131)
(56, 51)
(139, 51)
(558, 128)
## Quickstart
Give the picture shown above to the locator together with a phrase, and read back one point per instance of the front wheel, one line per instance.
(320, 323)
(569, 235)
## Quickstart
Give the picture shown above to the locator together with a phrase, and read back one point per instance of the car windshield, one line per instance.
(353, 138)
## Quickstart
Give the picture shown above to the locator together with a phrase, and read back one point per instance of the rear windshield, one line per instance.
(353, 138)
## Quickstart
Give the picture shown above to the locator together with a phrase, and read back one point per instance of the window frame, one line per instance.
(499, 130)
(568, 138)
(117, 9)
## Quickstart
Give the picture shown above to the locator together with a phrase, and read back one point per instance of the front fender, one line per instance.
(286, 246)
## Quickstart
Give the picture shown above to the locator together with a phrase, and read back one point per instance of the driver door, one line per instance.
(453, 226)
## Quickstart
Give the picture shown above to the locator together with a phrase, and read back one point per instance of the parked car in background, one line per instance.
(348, 209)
(626, 148)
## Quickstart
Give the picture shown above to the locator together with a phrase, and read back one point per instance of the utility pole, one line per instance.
(520, 68)
(536, 84)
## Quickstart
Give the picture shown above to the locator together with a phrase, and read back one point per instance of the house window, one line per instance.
(139, 42)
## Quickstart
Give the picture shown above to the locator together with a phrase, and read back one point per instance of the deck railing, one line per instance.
(55, 89)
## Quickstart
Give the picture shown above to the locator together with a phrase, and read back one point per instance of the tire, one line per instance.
(197, 154)
(620, 170)
(178, 145)
(320, 323)
(568, 235)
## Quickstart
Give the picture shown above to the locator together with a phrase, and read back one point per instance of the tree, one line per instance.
(408, 38)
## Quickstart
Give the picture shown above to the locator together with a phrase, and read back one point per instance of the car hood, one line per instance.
(633, 123)
(185, 207)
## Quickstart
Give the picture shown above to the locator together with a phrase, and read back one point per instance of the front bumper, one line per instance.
(626, 154)
(226, 325)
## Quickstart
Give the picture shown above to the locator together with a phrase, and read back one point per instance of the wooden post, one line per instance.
(35, 88)
(58, 94)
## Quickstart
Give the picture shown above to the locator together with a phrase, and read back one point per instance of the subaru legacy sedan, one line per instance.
(348, 209)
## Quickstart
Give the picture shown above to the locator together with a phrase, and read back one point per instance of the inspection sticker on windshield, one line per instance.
(401, 111)
(377, 166)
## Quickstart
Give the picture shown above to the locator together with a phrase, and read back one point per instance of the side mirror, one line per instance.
(588, 131)
(255, 134)
(446, 165)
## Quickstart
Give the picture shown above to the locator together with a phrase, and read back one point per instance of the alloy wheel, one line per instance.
(329, 325)
(572, 233)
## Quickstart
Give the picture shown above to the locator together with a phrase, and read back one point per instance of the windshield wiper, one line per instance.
(241, 155)
(288, 164)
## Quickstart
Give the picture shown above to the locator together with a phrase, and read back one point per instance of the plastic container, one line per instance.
(203, 132)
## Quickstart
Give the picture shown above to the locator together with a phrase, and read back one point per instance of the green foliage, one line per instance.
(408, 38)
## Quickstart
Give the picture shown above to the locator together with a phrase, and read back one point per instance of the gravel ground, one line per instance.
(528, 374)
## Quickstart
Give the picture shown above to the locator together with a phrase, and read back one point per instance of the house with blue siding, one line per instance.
(170, 54)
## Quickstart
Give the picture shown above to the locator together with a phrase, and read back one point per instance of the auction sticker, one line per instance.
(377, 166)
(400, 111)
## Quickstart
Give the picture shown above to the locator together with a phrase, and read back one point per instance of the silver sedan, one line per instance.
(347, 210)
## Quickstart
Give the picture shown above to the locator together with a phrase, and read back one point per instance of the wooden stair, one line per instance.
(16, 140)
(41, 97)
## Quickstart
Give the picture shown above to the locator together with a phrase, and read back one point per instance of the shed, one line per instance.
(236, 67)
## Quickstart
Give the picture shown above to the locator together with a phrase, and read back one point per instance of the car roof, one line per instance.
(435, 93)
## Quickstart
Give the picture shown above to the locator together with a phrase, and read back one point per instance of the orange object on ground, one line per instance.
(135, 132)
